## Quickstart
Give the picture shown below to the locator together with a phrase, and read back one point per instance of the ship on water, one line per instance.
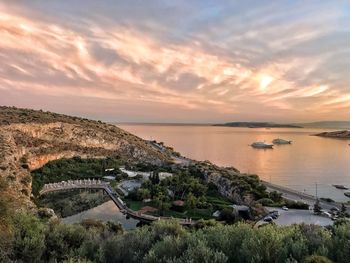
(262, 145)
(281, 141)
(339, 186)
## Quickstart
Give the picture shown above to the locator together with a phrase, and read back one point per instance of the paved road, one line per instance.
(294, 195)
(297, 216)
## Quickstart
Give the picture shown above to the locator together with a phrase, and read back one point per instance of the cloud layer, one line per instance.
(177, 61)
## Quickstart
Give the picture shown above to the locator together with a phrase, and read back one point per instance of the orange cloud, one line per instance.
(59, 61)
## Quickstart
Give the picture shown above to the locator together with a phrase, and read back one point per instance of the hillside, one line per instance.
(29, 139)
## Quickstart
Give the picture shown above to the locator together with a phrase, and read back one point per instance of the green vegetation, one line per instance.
(36, 240)
(327, 199)
(275, 199)
(71, 169)
(198, 201)
(72, 202)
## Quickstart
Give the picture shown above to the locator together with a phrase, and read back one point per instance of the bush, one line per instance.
(227, 215)
(317, 259)
(29, 238)
(266, 202)
(167, 241)
(296, 205)
(328, 200)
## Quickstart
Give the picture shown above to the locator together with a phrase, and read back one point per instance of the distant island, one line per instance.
(341, 125)
(258, 125)
(345, 134)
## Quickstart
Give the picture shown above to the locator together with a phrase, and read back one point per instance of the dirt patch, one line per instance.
(147, 209)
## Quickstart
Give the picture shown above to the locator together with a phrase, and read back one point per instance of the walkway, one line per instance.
(98, 184)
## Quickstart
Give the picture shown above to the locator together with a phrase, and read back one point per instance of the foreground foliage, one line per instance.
(35, 240)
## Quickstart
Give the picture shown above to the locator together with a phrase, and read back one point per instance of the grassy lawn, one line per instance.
(134, 205)
(200, 213)
(213, 197)
(192, 213)
(217, 201)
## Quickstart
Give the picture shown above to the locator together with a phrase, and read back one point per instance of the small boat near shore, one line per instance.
(261, 145)
(341, 187)
(281, 141)
(347, 194)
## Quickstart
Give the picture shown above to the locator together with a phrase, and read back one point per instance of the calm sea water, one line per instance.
(308, 161)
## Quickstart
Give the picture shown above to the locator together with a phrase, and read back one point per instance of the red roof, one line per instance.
(179, 203)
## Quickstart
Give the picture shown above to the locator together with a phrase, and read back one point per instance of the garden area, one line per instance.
(179, 196)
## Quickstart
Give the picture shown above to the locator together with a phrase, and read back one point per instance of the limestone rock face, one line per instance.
(223, 179)
(30, 139)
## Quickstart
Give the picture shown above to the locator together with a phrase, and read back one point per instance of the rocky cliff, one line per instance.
(29, 139)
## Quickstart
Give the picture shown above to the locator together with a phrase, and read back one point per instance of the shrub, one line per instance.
(317, 259)
(266, 202)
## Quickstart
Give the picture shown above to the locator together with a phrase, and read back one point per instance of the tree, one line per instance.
(161, 203)
(227, 215)
(154, 177)
(317, 207)
(343, 209)
(143, 194)
(275, 196)
(341, 243)
(191, 201)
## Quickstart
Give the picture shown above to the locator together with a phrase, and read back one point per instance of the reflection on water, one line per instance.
(106, 212)
(309, 160)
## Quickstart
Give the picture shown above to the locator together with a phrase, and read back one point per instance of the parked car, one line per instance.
(275, 212)
(268, 219)
(326, 214)
(274, 216)
(284, 208)
(335, 209)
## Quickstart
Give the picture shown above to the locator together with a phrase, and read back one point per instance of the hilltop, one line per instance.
(29, 139)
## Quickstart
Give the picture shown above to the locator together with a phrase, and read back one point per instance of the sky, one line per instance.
(178, 61)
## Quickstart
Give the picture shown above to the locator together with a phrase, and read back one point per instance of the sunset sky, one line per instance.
(178, 61)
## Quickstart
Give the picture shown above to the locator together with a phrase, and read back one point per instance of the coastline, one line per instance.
(295, 195)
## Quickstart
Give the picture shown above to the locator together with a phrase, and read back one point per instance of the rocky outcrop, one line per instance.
(345, 134)
(26, 146)
(224, 179)
(224, 186)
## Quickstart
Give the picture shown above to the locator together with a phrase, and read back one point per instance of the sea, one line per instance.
(311, 164)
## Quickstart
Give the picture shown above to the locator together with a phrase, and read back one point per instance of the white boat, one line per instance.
(262, 145)
(281, 141)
